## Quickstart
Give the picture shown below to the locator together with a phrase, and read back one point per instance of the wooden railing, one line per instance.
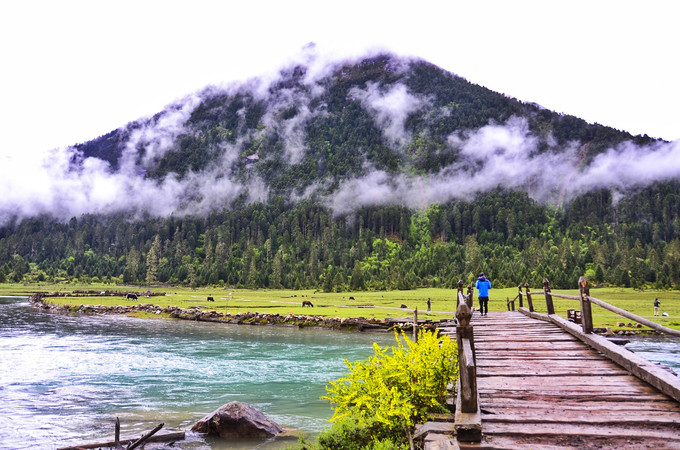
(586, 300)
(666, 382)
(468, 422)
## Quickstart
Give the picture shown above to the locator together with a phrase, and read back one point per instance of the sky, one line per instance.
(74, 70)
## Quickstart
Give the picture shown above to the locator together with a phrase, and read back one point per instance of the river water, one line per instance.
(64, 379)
(661, 349)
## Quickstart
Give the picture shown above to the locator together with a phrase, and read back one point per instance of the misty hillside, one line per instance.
(380, 124)
(378, 173)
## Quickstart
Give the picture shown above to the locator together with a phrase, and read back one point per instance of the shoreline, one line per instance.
(196, 313)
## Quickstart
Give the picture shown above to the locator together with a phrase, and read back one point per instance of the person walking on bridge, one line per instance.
(483, 285)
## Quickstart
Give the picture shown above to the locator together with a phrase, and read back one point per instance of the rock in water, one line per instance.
(237, 420)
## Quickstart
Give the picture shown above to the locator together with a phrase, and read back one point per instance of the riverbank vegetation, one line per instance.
(377, 404)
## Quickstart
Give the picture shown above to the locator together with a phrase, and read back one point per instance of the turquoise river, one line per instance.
(64, 379)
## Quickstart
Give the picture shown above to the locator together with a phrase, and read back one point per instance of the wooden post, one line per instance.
(468, 299)
(415, 325)
(116, 437)
(467, 359)
(521, 304)
(529, 302)
(548, 297)
(586, 312)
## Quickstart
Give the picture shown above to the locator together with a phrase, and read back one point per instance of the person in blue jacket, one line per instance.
(483, 285)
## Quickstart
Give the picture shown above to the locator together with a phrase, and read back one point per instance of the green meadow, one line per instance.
(378, 304)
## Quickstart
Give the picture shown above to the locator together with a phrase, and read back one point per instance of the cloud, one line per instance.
(390, 109)
(54, 187)
(506, 156)
(157, 135)
(290, 129)
(629, 165)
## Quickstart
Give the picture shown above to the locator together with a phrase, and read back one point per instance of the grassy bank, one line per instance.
(381, 305)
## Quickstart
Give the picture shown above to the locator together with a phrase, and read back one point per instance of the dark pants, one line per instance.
(483, 305)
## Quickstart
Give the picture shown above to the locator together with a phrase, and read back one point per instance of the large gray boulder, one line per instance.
(237, 420)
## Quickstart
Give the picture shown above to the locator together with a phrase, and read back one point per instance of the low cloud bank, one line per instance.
(507, 156)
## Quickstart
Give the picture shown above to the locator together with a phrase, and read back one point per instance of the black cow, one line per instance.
(351, 298)
(210, 299)
(131, 296)
(307, 303)
(404, 306)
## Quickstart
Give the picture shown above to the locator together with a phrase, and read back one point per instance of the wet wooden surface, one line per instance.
(539, 387)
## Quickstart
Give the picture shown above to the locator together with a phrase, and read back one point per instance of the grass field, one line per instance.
(383, 304)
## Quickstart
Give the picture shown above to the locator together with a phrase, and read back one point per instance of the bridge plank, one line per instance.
(539, 371)
(556, 415)
(569, 441)
(670, 433)
(492, 404)
(584, 397)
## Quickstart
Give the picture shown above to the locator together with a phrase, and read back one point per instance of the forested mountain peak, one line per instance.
(372, 131)
(378, 172)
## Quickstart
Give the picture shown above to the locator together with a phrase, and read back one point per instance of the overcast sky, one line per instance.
(73, 70)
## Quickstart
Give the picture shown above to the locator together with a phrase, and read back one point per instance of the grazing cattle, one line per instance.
(351, 298)
(210, 299)
(307, 303)
(131, 296)
(403, 306)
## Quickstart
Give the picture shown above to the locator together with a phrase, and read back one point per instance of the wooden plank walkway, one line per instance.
(539, 387)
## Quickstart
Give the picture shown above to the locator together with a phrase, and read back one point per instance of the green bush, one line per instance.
(354, 433)
(389, 393)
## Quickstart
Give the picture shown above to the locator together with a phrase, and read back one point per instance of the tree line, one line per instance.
(634, 242)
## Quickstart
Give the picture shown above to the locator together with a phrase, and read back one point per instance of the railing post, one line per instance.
(468, 422)
(586, 313)
(468, 300)
(548, 297)
(415, 325)
(521, 304)
(529, 302)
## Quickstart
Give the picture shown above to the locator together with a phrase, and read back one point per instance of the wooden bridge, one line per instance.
(530, 380)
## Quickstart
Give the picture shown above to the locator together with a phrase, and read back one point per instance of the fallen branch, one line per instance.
(145, 437)
(170, 436)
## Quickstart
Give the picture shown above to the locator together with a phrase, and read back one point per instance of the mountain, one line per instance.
(380, 172)
(326, 135)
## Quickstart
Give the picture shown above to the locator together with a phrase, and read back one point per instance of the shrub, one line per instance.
(392, 391)
(354, 433)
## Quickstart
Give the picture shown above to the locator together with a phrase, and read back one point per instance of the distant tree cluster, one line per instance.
(505, 234)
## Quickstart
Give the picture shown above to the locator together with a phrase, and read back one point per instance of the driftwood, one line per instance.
(132, 443)
(142, 439)
(116, 438)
